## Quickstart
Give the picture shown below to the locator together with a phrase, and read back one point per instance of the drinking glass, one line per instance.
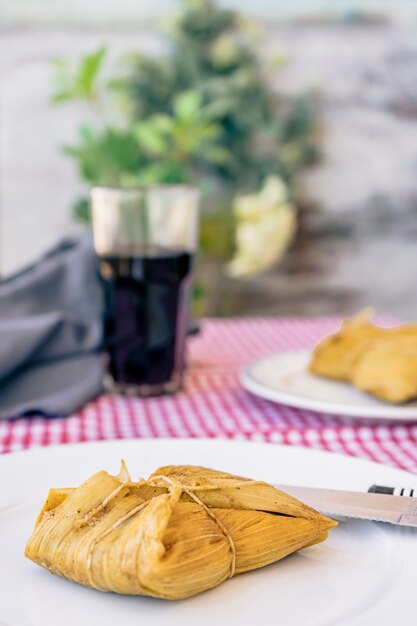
(145, 240)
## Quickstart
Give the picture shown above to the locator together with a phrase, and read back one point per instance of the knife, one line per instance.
(378, 506)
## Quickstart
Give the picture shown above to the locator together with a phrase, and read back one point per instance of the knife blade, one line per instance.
(377, 507)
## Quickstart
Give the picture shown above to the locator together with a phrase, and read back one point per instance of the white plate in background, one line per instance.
(284, 378)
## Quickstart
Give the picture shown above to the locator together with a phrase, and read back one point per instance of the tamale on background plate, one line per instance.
(363, 574)
(284, 378)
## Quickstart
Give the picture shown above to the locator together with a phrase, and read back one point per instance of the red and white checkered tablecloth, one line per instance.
(213, 403)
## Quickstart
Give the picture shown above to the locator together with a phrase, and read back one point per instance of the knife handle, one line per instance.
(393, 491)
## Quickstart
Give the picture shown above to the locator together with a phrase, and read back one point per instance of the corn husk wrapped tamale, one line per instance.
(337, 355)
(379, 361)
(388, 372)
(184, 530)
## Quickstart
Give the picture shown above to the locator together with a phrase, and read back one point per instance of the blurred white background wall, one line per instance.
(368, 86)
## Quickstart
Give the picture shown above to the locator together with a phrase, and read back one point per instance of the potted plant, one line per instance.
(202, 114)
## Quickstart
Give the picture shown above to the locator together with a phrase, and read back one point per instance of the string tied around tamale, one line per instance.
(172, 484)
(175, 483)
(186, 488)
(84, 521)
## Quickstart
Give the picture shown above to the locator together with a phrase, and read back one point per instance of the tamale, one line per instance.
(379, 361)
(182, 531)
(337, 355)
(388, 372)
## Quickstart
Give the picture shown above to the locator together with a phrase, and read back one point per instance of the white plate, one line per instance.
(364, 574)
(284, 378)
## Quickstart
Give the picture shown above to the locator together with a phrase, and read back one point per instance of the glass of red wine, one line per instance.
(145, 240)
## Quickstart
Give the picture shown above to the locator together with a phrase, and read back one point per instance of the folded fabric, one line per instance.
(51, 333)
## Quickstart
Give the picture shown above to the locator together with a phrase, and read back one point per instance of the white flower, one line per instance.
(266, 223)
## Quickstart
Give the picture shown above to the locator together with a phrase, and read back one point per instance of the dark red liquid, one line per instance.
(147, 301)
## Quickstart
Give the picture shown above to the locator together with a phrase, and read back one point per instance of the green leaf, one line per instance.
(163, 123)
(156, 174)
(88, 72)
(86, 133)
(187, 105)
(62, 95)
(79, 82)
(150, 138)
(208, 132)
(62, 81)
(103, 157)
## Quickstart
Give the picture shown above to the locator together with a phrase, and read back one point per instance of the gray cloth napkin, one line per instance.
(51, 333)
